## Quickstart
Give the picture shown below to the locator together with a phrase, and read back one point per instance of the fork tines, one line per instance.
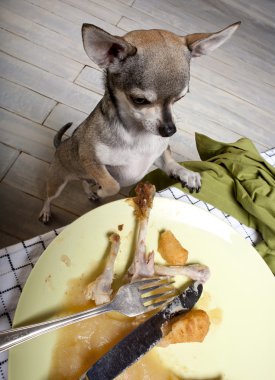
(144, 283)
(156, 291)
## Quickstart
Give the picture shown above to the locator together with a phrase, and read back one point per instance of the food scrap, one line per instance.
(191, 327)
(171, 250)
(66, 260)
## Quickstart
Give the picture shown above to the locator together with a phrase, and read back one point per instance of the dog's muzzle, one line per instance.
(167, 130)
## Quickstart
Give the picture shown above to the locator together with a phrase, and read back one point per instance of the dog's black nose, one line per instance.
(167, 129)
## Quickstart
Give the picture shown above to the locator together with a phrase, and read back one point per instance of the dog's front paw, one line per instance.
(104, 192)
(189, 179)
(91, 191)
(93, 196)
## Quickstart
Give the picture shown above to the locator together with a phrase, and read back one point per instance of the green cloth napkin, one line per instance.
(236, 180)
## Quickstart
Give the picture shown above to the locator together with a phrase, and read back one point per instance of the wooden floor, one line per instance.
(47, 80)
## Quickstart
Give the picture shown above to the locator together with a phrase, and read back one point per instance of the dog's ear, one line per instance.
(204, 43)
(103, 48)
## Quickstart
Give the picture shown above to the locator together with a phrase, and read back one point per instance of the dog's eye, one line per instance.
(139, 101)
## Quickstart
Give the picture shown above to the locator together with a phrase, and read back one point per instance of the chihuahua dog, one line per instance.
(146, 72)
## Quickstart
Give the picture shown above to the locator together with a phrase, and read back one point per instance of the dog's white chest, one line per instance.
(129, 165)
(131, 172)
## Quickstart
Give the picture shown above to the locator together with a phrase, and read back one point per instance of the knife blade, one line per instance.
(143, 338)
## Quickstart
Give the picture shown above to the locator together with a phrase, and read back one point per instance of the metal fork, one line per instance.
(132, 299)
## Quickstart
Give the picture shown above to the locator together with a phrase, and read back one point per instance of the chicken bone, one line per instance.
(196, 272)
(100, 290)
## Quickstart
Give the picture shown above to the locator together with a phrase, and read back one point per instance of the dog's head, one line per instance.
(147, 71)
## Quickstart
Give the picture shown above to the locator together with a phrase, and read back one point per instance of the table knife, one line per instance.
(143, 338)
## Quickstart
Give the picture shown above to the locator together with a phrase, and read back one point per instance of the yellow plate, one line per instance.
(239, 295)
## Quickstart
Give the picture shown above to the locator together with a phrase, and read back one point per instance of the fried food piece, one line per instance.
(171, 249)
(191, 327)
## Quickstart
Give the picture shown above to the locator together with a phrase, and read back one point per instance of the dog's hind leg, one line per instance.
(53, 191)
(57, 180)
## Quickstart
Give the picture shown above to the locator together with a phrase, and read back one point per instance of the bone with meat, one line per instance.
(100, 290)
(143, 265)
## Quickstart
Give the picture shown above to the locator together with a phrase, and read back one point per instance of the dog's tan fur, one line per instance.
(146, 71)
